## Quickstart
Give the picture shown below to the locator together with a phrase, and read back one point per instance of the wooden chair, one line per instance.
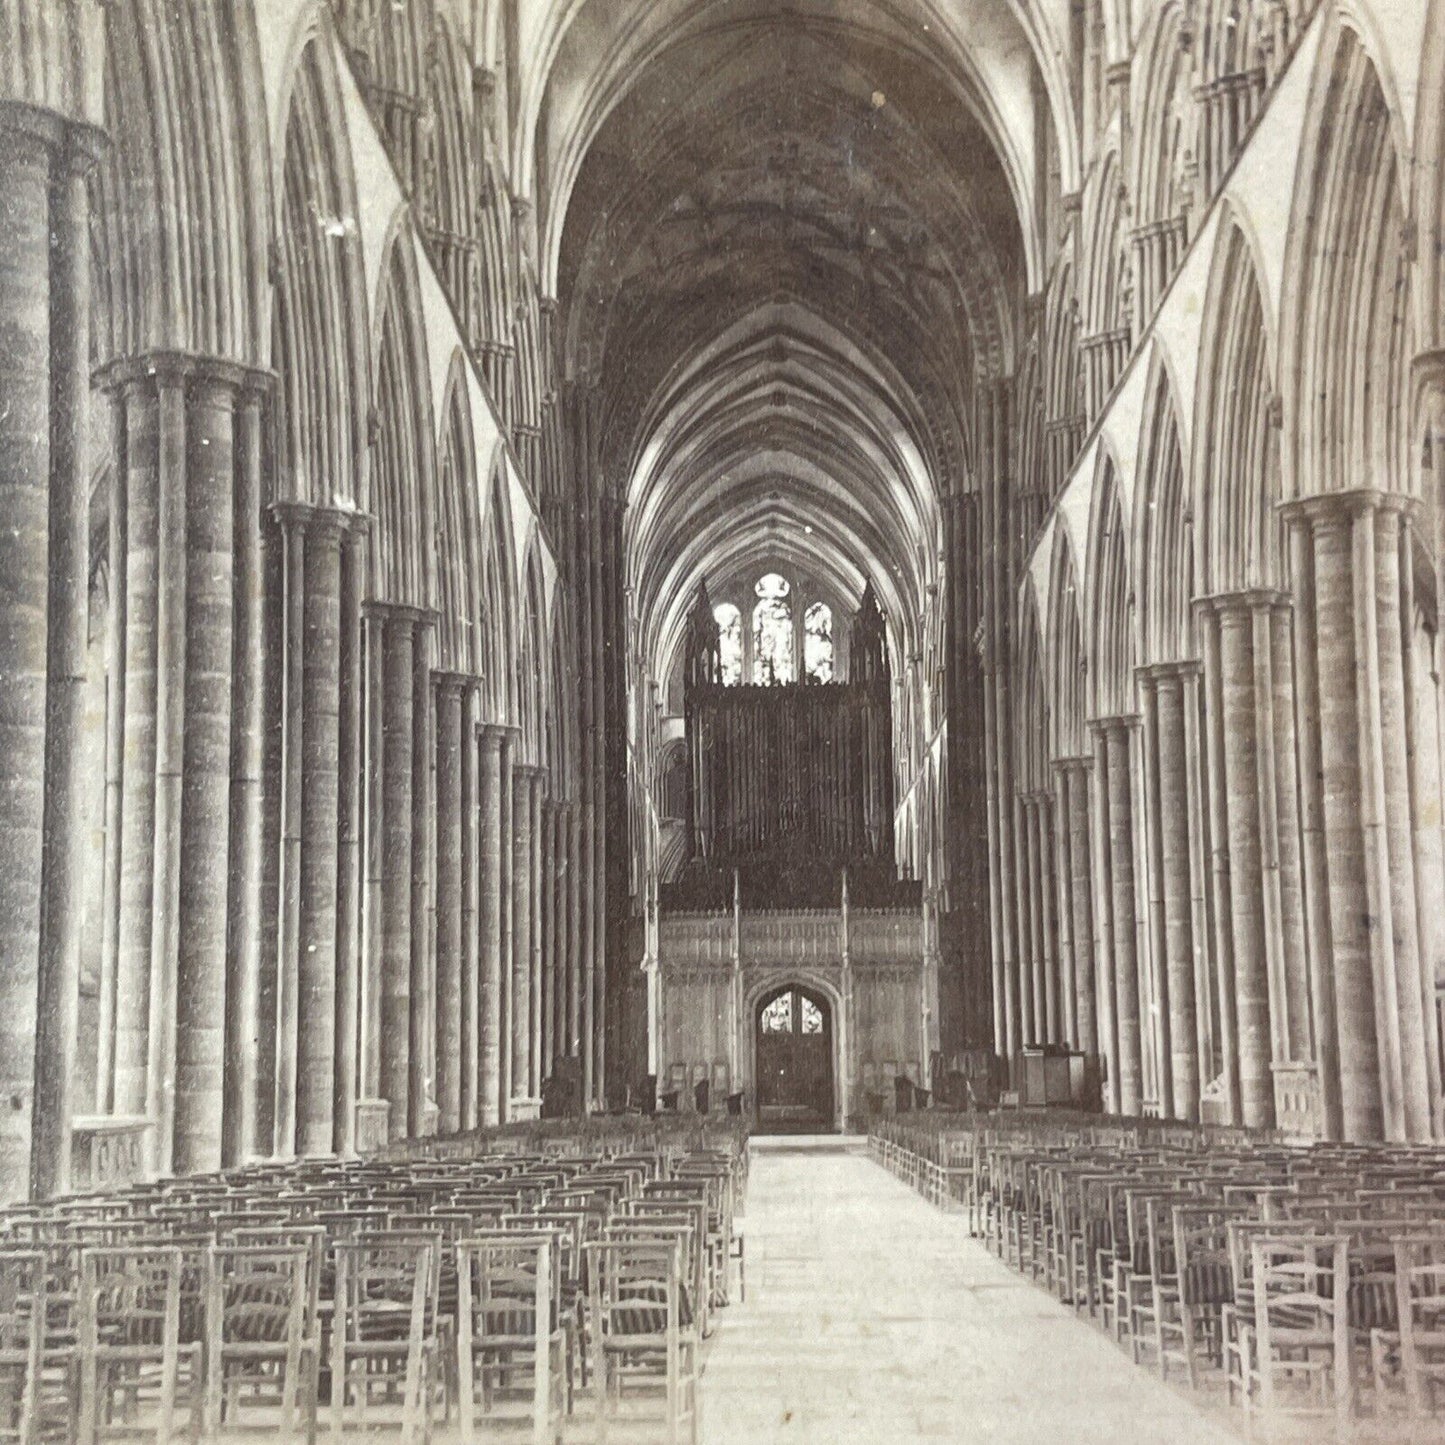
(22, 1343)
(263, 1339)
(510, 1337)
(134, 1369)
(384, 1335)
(1205, 1286)
(1420, 1293)
(639, 1336)
(1294, 1353)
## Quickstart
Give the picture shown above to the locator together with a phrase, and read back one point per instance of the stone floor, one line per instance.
(871, 1316)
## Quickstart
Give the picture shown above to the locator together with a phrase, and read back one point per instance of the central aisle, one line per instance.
(871, 1316)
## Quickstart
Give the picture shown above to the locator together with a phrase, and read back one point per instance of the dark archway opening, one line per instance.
(793, 1031)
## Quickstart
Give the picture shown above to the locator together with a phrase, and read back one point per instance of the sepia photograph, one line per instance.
(721, 722)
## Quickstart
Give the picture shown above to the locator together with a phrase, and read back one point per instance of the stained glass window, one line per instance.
(773, 660)
(778, 1016)
(730, 642)
(812, 1016)
(818, 642)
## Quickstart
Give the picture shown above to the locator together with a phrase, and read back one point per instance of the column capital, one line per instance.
(1079, 763)
(1179, 668)
(1243, 599)
(1039, 797)
(184, 366)
(493, 735)
(1116, 722)
(449, 681)
(1345, 506)
(76, 144)
(398, 612)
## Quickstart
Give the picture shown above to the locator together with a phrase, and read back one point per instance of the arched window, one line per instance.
(777, 1018)
(818, 643)
(730, 642)
(773, 660)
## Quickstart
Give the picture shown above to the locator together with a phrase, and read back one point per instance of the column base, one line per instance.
(525, 1110)
(1297, 1099)
(373, 1120)
(107, 1151)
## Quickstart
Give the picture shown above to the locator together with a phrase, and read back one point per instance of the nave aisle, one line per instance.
(871, 1317)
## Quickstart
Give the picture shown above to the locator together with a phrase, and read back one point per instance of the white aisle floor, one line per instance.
(871, 1316)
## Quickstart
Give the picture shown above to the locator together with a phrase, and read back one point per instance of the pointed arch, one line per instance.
(499, 615)
(186, 183)
(404, 490)
(1068, 671)
(1111, 600)
(1164, 530)
(450, 197)
(1351, 325)
(1235, 469)
(319, 316)
(459, 552)
(1163, 117)
(1031, 707)
(1103, 265)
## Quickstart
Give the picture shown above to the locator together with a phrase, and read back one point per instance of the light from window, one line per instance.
(773, 661)
(812, 1016)
(730, 642)
(818, 642)
(778, 1015)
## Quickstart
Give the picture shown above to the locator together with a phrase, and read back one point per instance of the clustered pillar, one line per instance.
(1373, 1011)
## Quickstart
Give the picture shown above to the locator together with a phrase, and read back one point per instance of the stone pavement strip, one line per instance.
(871, 1316)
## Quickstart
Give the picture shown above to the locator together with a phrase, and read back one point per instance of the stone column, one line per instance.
(521, 1076)
(450, 1014)
(492, 951)
(1105, 955)
(1044, 819)
(373, 988)
(170, 756)
(1240, 704)
(1018, 983)
(115, 668)
(534, 908)
(292, 526)
(1170, 698)
(1064, 910)
(398, 747)
(1121, 874)
(587, 883)
(547, 843)
(421, 1074)
(64, 615)
(507, 920)
(1297, 1036)
(138, 753)
(1315, 864)
(1221, 866)
(471, 922)
(349, 1083)
(199, 1008)
(1349, 869)
(320, 707)
(574, 930)
(1076, 774)
(1398, 853)
(1154, 887)
(248, 740)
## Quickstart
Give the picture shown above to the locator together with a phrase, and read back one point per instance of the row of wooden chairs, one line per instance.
(488, 1287)
(1306, 1279)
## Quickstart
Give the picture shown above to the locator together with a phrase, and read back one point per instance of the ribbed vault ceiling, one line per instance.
(789, 247)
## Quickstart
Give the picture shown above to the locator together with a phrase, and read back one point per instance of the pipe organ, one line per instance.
(780, 773)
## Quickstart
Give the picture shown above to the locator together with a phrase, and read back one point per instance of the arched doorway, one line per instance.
(793, 1033)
